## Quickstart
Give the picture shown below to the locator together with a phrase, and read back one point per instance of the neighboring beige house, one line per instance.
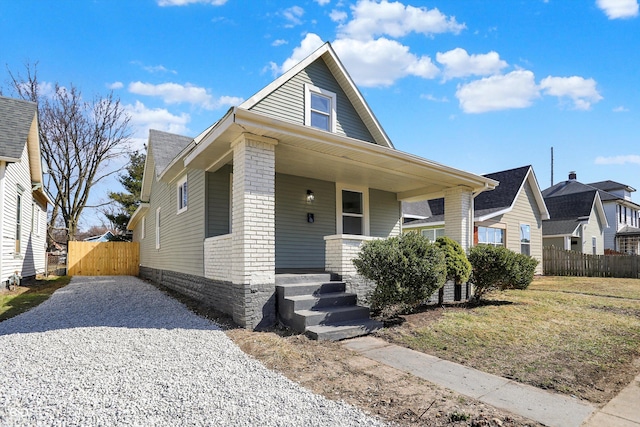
(23, 202)
(291, 181)
(511, 215)
(578, 220)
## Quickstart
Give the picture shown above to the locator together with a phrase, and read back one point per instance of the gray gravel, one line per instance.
(109, 351)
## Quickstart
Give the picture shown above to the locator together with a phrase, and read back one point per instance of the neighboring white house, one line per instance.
(23, 202)
(292, 180)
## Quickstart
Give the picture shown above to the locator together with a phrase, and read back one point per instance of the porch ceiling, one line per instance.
(312, 153)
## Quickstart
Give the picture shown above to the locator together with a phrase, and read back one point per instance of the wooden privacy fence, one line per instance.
(558, 262)
(103, 259)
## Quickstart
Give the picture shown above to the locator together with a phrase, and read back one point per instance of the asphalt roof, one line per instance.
(609, 185)
(559, 227)
(166, 146)
(571, 206)
(16, 117)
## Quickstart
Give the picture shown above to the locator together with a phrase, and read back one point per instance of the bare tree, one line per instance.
(79, 141)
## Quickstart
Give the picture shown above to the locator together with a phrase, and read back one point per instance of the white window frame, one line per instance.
(158, 228)
(182, 194)
(435, 231)
(521, 241)
(365, 201)
(494, 243)
(143, 224)
(310, 89)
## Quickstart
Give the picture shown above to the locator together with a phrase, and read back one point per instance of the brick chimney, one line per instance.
(573, 176)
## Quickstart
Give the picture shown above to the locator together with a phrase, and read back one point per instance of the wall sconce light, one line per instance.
(310, 196)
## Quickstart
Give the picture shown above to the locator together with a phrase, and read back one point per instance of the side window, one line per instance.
(143, 225)
(158, 228)
(320, 108)
(18, 219)
(525, 239)
(182, 194)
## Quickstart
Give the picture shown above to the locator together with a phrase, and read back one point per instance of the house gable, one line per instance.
(287, 102)
(355, 118)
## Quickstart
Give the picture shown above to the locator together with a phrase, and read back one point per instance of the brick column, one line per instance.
(458, 215)
(253, 231)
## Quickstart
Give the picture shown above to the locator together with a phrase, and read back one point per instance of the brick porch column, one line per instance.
(458, 215)
(253, 231)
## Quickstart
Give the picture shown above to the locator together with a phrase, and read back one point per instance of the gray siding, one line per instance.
(287, 101)
(181, 235)
(558, 242)
(300, 244)
(384, 213)
(218, 199)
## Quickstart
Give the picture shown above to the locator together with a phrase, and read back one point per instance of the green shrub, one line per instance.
(406, 269)
(498, 268)
(458, 266)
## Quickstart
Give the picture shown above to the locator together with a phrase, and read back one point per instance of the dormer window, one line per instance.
(320, 108)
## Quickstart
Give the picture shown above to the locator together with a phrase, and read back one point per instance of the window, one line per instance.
(18, 220)
(491, 236)
(158, 228)
(593, 244)
(433, 233)
(320, 108)
(525, 239)
(352, 212)
(182, 194)
(143, 224)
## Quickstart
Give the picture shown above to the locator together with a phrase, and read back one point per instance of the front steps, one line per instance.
(317, 305)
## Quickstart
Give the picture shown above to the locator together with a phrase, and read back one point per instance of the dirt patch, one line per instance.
(329, 369)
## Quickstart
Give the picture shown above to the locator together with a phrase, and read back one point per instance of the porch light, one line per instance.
(310, 196)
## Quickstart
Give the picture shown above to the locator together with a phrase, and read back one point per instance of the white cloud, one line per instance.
(514, 90)
(338, 15)
(154, 68)
(293, 14)
(430, 97)
(458, 63)
(372, 18)
(279, 42)
(620, 109)
(188, 2)
(309, 44)
(370, 63)
(115, 85)
(633, 159)
(143, 119)
(174, 93)
(618, 9)
(322, 2)
(382, 61)
(581, 91)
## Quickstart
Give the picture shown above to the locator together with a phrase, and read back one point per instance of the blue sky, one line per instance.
(478, 85)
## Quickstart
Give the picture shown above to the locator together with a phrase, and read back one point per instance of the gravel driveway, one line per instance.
(117, 351)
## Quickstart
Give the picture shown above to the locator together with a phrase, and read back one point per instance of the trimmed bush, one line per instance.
(498, 268)
(458, 266)
(406, 269)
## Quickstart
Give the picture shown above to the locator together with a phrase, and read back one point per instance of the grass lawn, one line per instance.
(579, 336)
(29, 295)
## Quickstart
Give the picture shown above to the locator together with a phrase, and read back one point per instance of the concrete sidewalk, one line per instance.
(550, 409)
(622, 411)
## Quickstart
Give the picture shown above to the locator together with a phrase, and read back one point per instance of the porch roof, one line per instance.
(308, 152)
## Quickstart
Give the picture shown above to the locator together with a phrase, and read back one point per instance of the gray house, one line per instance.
(578, 220)
(23, 202)
(291, 181)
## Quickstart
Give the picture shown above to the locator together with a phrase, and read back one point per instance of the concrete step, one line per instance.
(342, 331)
(330, 315)
(294, 278)
(311, 288)
(288, 305)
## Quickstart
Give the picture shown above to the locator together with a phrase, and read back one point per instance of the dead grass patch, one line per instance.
(578, 343)
(29, 295)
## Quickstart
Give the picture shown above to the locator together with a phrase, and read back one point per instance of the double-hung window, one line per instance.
(18, 218)
(182, 194)
(158, 228)
(433, 233)
(525, 239)
(320, 108)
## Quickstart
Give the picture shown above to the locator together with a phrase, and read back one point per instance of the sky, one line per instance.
(478, 85)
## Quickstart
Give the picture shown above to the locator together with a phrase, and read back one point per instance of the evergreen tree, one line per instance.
(127, 202)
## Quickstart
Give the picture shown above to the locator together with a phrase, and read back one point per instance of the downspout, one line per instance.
(3, 169)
